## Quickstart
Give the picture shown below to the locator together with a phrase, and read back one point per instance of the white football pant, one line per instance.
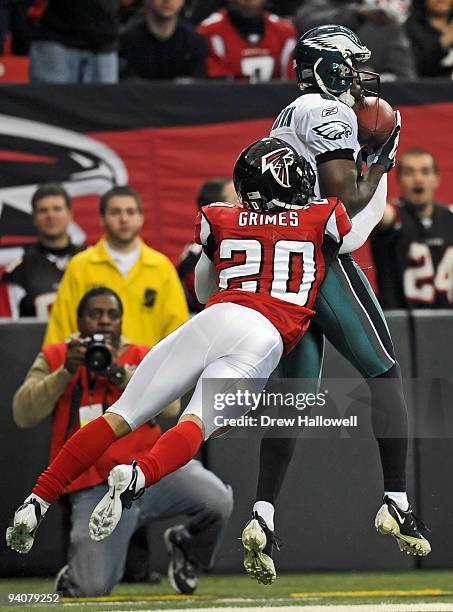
(225, 341)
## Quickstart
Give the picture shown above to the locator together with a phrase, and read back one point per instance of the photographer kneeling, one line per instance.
(75, 381)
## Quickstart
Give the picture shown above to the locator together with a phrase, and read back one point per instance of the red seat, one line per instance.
(14, 68)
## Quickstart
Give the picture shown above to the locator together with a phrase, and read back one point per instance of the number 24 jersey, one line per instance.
(273, 262)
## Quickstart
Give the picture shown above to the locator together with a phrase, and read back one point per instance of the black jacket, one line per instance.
(427, 49)
(84, 24)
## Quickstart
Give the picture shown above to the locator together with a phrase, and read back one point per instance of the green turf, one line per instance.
(213, 588)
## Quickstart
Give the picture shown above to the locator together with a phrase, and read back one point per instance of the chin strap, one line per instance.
(347, 98)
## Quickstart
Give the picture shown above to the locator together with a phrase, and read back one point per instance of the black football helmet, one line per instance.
(269, 174)
(327, 58)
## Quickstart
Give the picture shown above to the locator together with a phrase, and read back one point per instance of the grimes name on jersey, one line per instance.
(247, 217)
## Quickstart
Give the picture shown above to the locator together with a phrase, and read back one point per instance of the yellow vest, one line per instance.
(152, 295)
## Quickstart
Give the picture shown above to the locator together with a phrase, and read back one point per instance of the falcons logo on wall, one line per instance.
(33, 152)
(278, 162)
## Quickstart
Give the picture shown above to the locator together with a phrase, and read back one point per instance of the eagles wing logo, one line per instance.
(333, 130)
(278, 162)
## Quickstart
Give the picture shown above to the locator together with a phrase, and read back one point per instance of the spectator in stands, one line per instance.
(159, 45)
(33, 280)
(63, 383)
(430, 28)
(198, 10)
(247, 42)
(145, 280)
(374, 21)
(129, 9)
(214, 190)
(13, 19)
(76, 42)
(413, 245)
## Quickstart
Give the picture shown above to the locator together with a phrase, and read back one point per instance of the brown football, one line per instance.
(376, 120)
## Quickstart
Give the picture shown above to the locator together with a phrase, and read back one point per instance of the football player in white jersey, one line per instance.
(321, 125)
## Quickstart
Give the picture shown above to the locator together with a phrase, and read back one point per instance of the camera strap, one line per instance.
(76, 400)
(92, 380)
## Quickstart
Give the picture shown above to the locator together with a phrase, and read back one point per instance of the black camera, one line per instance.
(98, 356)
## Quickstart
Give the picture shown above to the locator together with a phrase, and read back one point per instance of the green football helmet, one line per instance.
(327, 57)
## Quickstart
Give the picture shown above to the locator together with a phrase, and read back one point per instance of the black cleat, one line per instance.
(404, 526)
(181, 569)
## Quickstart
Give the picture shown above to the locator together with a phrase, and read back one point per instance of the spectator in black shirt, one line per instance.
(413, 244)
(32, 281)
(76, 41)
(430, 28)
(159, 46)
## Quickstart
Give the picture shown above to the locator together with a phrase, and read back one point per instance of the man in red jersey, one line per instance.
(247, 42)
(264, 261)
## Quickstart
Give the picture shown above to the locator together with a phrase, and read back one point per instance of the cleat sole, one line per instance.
(386, 525)
(107, 514)
(19, 538)
(258, 565)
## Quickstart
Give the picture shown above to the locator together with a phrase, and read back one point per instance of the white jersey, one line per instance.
(321, 127)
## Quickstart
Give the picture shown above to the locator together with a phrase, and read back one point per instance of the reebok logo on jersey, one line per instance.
(333, 130)
(332, 110)
(278, 162)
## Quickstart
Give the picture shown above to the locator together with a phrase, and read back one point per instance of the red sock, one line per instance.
(173, 449)
(78, 454)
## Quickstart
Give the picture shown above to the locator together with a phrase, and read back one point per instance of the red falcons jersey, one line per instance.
(230, 54)
(273, 262)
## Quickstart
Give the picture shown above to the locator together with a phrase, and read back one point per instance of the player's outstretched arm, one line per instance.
(338, 177)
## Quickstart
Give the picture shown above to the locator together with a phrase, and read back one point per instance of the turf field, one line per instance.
(359, 592)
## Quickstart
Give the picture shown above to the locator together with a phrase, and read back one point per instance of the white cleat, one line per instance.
(258, 541)
(124, 488)
(403, 526)
(20, 535)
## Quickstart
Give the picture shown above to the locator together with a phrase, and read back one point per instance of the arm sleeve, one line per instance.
(339, 223)
(364, 222)
(63, 319)
(205, 279)
(37, 397)
(203, 233)
(330, 131)
(217, 64)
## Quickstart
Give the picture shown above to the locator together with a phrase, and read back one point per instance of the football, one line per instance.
(376, 120)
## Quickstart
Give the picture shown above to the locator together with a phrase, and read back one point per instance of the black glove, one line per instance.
(385, 156)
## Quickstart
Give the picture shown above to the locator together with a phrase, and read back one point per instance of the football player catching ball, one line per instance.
(321, 125)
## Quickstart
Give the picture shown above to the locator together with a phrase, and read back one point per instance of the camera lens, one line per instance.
(97, 356)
